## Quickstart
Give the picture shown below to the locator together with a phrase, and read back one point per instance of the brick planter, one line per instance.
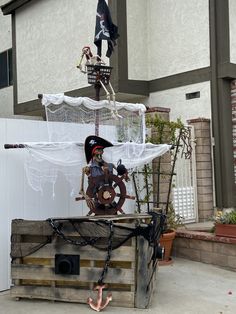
(205, 247)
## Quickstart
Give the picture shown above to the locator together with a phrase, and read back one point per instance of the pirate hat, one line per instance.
(93, 142)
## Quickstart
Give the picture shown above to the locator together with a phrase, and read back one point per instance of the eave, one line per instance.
(13, 5)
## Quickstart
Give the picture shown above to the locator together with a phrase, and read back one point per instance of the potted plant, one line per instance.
(173, 221)
(225, 224)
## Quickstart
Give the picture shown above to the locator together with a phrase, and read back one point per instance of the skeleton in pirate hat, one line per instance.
(100, 194)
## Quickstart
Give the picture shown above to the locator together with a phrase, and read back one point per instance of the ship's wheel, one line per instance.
(108, 192)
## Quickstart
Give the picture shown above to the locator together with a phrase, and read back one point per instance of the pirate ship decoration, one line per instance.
(115, 148)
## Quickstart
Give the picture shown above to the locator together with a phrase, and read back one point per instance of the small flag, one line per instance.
(105, 29)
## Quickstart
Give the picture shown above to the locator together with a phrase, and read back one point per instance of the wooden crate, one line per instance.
(131, 275)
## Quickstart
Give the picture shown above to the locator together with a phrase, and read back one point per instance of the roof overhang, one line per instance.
(13, 5)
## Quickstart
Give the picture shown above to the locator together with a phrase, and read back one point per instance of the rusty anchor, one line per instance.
(99, 304)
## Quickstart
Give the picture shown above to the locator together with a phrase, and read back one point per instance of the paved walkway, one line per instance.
(185, 287)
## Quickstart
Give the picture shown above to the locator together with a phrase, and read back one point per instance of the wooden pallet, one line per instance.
(130, 277)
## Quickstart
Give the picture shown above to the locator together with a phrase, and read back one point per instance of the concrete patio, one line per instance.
(185, 287)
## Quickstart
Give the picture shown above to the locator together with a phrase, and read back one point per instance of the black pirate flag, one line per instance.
(105, 29)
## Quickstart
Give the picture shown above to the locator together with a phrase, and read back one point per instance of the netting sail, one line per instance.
(73, 118)
(70, 121)
(46, 160)
(134, 155)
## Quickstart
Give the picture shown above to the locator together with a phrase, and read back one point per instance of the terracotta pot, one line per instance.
(166, 241)
(224, 230)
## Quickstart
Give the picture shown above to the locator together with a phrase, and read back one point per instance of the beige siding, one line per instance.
(167, 37)
(50, 36)
(232, 27)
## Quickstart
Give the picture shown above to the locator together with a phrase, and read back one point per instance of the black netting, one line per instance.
(97, 233)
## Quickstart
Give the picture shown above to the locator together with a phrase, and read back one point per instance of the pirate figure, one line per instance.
(101, 195)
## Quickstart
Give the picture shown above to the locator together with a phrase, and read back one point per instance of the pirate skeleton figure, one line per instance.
(102, 183)
(101, 78)
(90, 59)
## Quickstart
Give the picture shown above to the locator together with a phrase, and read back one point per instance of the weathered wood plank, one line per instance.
(119, 298)
(123, 253)
(88, 274)
(42, 227)
(121, 217)
(143, 274)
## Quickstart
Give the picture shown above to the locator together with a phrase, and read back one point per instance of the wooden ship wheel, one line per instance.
(108, 193)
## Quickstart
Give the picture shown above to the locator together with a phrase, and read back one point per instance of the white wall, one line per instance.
(180, 107)
(232, 28)
(177, 37)
(17, 199)
(50, 36)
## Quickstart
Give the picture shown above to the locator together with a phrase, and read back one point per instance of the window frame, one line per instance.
(6, 78)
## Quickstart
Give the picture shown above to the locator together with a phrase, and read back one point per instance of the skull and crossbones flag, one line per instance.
(105, 29)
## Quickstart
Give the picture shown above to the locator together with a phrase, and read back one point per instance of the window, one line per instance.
(6, 68)
(192, 95)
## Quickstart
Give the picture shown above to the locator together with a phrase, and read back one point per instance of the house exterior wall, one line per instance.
(170, 37)
(6, 94)
(233, 103)
(5, 31)
(232, 29)
(137, 39)
(6, 101)
(175, 99)
(49, 38)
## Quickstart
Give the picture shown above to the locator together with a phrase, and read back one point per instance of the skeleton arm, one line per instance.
(88, 200)
(86, 171)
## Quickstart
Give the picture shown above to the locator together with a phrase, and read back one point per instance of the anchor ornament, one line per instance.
(99, 304)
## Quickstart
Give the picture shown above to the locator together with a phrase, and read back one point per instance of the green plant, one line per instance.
(162, 170)
(173, 220)
(165, 131)
(175, 134)
(225, 218)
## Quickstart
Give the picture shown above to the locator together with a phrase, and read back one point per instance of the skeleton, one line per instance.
(100, 194)
(90, 59)
(96, 60)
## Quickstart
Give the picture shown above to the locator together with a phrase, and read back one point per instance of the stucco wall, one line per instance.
(175, 99)
(6, 101)
(50, 36)
(137, 35)
(6, 94)
(5, 31)
(184, 26)
(232, 27)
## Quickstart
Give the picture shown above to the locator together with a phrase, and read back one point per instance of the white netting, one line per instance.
(83, 116)
(70, 121)
(134, 155)
(46, 160)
